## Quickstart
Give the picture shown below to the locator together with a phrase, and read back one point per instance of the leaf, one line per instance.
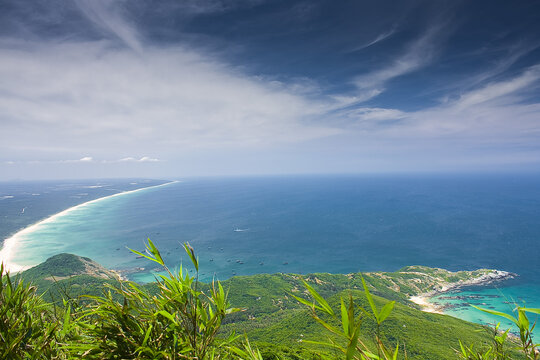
(463, 351)
(303, 301)
(319, 299)
(344, 318)
(396, 352)
(147, 335)
(322, 343)
(536, 311)
(167, 315)
(191, 254)
(154, 251)
(370, 300)
(353, 342)
(498, 313)
(385, 311)
(522, 319)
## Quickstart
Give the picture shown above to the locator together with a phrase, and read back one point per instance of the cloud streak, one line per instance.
(107, 16)
(419, 54)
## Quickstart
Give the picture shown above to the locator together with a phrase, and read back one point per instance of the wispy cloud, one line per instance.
(98, 98)
(499, 114)
(381, 37)
(419, 54)
(107, 16)
(142, 159)
(88, 160)
(496, 90)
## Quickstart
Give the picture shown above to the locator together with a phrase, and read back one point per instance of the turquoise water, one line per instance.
(503, 299)
(312, 224)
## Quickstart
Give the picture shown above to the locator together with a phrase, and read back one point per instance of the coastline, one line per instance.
(10, 244)
(423, 299)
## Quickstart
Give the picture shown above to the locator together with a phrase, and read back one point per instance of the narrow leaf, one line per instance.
(498, 313)
(385, 311)
(370, 300)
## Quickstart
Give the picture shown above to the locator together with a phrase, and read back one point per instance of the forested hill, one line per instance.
(280, 325)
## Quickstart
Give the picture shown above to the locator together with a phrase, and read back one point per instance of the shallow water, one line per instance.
(312, 224)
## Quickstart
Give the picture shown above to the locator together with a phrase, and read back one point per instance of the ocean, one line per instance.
(298, 224)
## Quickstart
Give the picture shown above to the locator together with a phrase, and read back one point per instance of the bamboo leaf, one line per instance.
(370, 300)
(396, 352)
(322, 343)
(344, 318)
(303, 301)
(191, 254)
(167, 315)
(147, 335)
(385, 311)
(498, 313)
(536, 311)
(319, 299)
(522, 319)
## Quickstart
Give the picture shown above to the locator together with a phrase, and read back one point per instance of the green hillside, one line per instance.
(281, 326)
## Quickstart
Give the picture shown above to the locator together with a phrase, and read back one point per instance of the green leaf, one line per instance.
(498, 313)
(167, 315)
(536, 311)
(385, 311)
(322, 343)
(303, 301)
(370, 300)
(463, 351)
(191, 254)
(396, 352)
(154, 251)
(344, 318)
(522, 319)
(147, 335)
(319, 299)
(351, 348)
(141, 254)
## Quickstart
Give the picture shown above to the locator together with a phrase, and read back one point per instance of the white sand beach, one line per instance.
(10, 245)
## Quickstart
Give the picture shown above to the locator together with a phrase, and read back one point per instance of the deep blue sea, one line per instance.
(300, 224)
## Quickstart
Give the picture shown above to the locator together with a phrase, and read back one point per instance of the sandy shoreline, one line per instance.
(427, 306)
(9, 247)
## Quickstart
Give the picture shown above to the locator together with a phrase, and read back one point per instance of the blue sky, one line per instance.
(101, 88)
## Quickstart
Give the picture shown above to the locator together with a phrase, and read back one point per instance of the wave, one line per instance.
(10, 244)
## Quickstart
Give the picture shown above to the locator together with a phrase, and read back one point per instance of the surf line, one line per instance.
(10, 244)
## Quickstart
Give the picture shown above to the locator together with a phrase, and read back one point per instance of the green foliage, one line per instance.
(285, 316)
(497, 351)
(179, 322)
(27, 330)
(273, 316)
(350, 346)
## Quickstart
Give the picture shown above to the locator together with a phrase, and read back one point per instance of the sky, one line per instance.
(168, 88)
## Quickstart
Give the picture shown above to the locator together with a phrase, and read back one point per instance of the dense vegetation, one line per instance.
(85, 312)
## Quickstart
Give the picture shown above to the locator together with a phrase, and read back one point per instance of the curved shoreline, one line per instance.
(423, 299)
(10, 244)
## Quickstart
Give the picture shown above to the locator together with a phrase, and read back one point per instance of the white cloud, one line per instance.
(106, 15)
(493, 116)
(381, 37)
(419, 54)
(499, 89)
(98, 99)
(142, 159)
